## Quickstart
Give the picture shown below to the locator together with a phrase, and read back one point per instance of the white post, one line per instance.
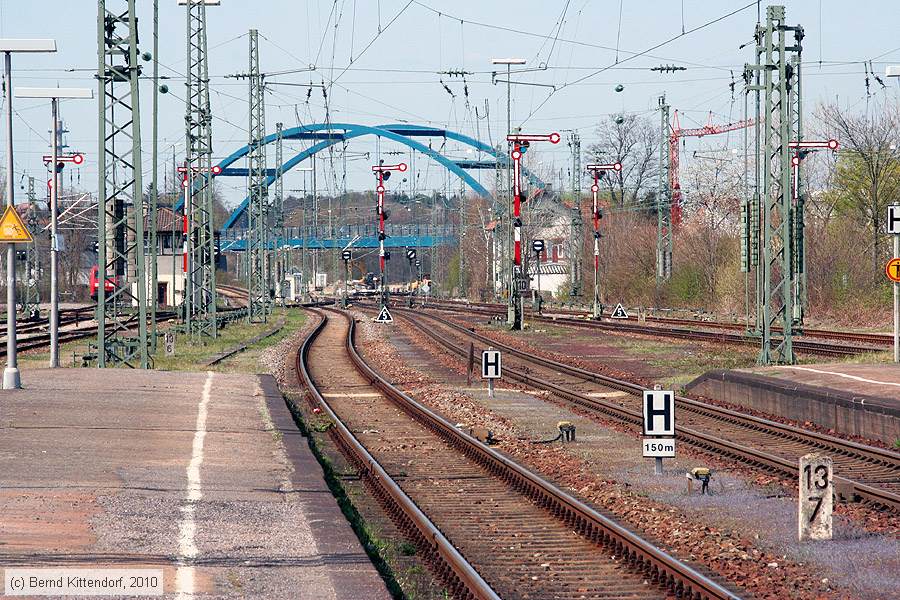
(11, 379)
(54, 240)
(896, 304)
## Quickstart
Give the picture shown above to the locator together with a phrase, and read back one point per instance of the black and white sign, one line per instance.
(418, 263)
(490, 364)
(346, 255)
(411, 253)
(169, 340)
(816, 497)
(619, 312)
(659, 447)
(384, 316)
(659, 412)
(893, 218)
(537, 246)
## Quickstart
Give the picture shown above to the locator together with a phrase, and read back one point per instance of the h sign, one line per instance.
(893, 219)
(346, 255)
(490, 364)
(659, 412)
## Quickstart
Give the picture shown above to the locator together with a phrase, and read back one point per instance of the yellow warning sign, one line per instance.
(12, 229)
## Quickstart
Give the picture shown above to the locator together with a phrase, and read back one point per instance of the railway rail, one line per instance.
(819, 348)
(864, 473)
(877, 339)
(488, 527)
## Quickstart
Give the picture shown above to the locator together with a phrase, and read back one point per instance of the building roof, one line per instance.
(164, 217)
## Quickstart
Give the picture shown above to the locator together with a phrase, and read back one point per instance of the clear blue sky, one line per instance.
(394, 74)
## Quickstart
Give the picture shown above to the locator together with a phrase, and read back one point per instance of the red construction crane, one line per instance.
(676, 133)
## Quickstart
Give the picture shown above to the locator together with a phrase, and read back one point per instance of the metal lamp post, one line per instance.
(54, 94)
(11, 378)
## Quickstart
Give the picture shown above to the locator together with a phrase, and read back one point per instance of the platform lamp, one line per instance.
(54, 95)
(11, 378)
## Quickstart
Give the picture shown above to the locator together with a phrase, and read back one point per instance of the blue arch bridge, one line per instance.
(325, 135)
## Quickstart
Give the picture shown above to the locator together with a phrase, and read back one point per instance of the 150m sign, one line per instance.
(658, 448)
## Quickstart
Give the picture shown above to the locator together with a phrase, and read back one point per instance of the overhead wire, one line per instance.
(643, 53)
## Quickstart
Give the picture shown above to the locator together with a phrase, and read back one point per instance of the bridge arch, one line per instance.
(329, 134)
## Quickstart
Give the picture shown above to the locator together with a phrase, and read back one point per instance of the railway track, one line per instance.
(42, 339)
(66, 317)
(863, 472)
(877, 339)
(819, 348)
(488, 527)
(235, 294)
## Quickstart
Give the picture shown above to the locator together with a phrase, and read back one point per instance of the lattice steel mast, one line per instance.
(775, 78)
(31, 299)
(278, 214)
(200, 290)
(577, 224)
(257, 241)
(664, 198)
(120, 212)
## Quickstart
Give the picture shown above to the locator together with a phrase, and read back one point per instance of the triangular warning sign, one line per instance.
(384, 316)
(12, 229)
(619, 312)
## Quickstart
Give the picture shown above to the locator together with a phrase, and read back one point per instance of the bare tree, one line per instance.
(867, 176)
(713, 188)
(633, 142)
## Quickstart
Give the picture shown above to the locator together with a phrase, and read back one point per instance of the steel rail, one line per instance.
(461, 577)
(659, 567)
(880, 339)
(820, 348)
(845, 487)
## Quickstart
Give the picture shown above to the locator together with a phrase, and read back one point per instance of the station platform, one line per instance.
(202, 475)
(856, 399)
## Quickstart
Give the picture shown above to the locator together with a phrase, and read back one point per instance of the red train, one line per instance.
(95, 279)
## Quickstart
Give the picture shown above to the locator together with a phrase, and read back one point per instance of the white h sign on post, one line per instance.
(893, 219)
(491, 368)
(659, 412)
(659, 426)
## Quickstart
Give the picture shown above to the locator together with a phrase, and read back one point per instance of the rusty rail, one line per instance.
(657, 566)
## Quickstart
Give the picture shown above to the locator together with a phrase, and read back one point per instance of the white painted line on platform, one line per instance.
(846, 376)
(187, 528)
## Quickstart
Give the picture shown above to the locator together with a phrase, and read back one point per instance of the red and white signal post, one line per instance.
(597, 171)
(519, 278)
(383, 172)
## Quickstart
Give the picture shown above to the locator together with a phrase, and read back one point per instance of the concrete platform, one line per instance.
(857, 399)
(201, 474)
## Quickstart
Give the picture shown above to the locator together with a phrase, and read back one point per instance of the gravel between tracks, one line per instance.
(729, 552)
(873, 521)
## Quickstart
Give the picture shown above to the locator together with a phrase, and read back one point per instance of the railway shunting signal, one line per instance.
(519, 281)
(383, 172)
(598, 170)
